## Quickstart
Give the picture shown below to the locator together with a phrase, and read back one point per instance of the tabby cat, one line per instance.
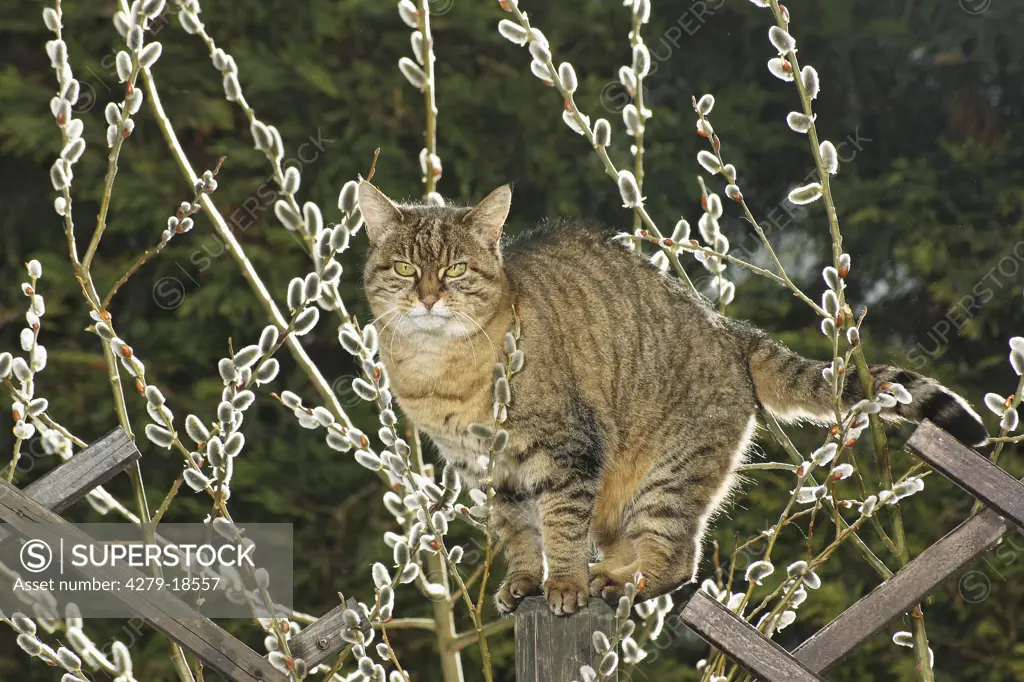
(636, 403)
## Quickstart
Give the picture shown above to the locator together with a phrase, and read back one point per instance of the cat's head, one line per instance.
(429, 267)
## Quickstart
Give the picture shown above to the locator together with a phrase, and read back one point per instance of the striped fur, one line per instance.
(792, 388)
(635, 406)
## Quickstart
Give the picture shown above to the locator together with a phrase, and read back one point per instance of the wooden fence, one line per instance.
(39, 503)
(551, 649)
(764, 659)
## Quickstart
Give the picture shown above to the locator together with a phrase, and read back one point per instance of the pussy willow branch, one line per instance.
(493, 628)
(492, 455)
(444, 612)
(250, 115)
(811, 564)
(33, 283)
(671, 248)
(716, 661)
(1003, 439)
(444, 616)
(638, 159)
(878, 439)
(82, 272)
(223, 231)
(149, 253)
(415, 458)
(115, 150)
(475, 616)
(248, 271)
(429, 90)
(782, 277)
(602, 153)
(220, 504)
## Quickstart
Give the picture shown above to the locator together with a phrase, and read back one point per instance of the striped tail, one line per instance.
(792, 388)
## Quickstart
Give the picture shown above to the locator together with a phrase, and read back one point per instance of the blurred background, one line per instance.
(923, 98)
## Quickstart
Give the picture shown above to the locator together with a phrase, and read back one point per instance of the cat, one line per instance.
(636, 403)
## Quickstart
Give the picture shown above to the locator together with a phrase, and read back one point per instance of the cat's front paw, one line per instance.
(566, 596)
(513, 590)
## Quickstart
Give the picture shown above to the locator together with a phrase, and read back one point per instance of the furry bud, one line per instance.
(567, 76)
(291, 180)
(232, 90)
(781, 68)
(806, 194)
(150, 54)
(681, 232)
(628, 189)
(51, 19)
(287, 215)
(709, 161)
(348, 198)
(798, 122)
(781, 39)
(810, 80)
(540, 51)
(628, 78)
(408, 13)
(829, 157)
(123, 62)
(412, 72)
(513, 32)
(502, 391)
(159, 436)
(196, 480)
(641, 60)
(261, 135)
(631, 117)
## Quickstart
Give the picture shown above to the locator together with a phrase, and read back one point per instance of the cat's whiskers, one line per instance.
(465, 335)
(395, 331)
(386, 312)
(380, 332)
(487, 336)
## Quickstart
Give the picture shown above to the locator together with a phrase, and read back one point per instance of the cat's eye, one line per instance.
(404, 269)
(457, 270)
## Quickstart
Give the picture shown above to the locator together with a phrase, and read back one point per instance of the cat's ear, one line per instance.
(488, 217)
(379, 213)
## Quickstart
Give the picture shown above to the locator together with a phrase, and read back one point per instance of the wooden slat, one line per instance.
(92, 467)
(322, 640)
(550, 648)
(969, 470)
(741, 642)
(163, 611)
(899, 593)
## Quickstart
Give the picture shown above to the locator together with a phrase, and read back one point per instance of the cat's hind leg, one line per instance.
(616, 567)
(668, 517)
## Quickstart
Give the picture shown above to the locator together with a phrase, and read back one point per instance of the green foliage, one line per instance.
(929, 194)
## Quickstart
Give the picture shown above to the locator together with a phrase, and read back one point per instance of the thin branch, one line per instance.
(320, 383)
(151, 252)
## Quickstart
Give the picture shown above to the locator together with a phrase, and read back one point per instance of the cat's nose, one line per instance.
(428, 301)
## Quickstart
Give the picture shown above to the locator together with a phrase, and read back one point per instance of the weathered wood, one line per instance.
(740, 641)
(550, 648)
(902, 591)
(72, 480)
(322, 639)
(163, 611)
(90, 468)
(969, 470)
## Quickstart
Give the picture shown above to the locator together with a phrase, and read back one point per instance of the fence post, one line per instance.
(551, 648)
